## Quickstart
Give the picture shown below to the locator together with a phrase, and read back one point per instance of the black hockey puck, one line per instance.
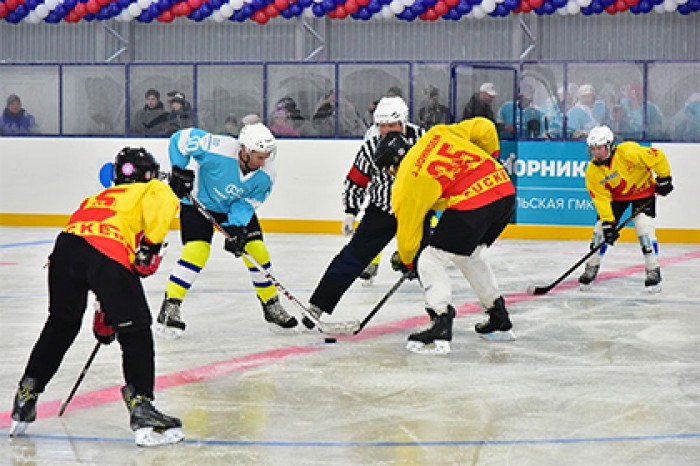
(330, 340)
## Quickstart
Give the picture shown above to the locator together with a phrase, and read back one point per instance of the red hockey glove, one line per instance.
(147, 260)
(103, 332)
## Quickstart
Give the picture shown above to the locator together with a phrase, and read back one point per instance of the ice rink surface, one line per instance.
(605, 377)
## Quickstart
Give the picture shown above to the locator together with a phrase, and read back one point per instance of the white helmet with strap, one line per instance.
(391, 110)
(601, 136)
(257, 137)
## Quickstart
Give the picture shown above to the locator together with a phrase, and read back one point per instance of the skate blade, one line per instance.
(499, 335)
(583, 287)
(171, 333)
(276, 329)
(17, 428)
(437, 347)
(367, 281)
(653, 289)
(148, 437)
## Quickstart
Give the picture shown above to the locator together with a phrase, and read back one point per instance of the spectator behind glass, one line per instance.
(294, 117)
(230, 126)
(431, 112)
(349, 122)
(686, 123)
(152, 119)
(553, 110)
(530, 126)
(586, 114)
(481, 103)
(281, 126)
(16, 120)
(180, 112)
(633, 105)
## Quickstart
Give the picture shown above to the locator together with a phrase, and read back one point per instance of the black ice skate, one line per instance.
(498, 326)
(586, 279)
(170, 323)
(652, 282)
(277, 316)
(367, 276)
(24, 407)
(150, 426)
(436, 338)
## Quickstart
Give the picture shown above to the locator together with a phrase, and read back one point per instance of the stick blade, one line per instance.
(533, 290)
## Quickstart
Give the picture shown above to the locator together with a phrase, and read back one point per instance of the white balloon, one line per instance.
(386, 12)
(125, 16)
(681, 2)
(247, 1)
(42, 11)
(488, 6)
(670, 5)
(235, 4)
(308, 13)
(478, 12)
(51, 4)
(134, 10)
(217, 17)
(143, 4)
(659, 8)
(583, 3)
(573, 8)
(33, 18)
(397, 7)
(408, 2)
(226, 10)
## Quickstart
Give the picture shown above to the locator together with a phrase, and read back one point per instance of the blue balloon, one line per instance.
(287, 13)
(124, 3)
(305, 3)
(206, 10)
(32, 4)
(597, 7)
(586, 10)
(328, 5)
(464, 7)
(549, 8)
(454, 15)
(318, 10)
(510, 4)
(216, 4)
(113, 9)
(21, 11)
(428, 3)
(247, 10)
(417, 8)
(89, 17)
(475, 2)
(69, 4)
(258, 4)
(163, 4)
(365, 14)
(644, 6)
(374, 6)
(657, 2)
(296, 9)
(238, 16)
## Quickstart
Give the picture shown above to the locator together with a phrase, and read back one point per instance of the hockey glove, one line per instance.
(349, 224)
(610, 234)
(147, 260)
(181, 181)
(664, 186)
(103, 332)
(407, 269)
(239, 238)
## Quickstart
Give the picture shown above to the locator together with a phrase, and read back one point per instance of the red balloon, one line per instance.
(332, 14)
(516, 10)
(525, 7)
(441, 8)
(182, 9)
(536, 3)
(611, 9)
(3, 10)
(362, 2)
(632, 2)
(80, 9)
(260, 17)
(282, 4)
(165, 16)
(351, 6)
(429, 15)
(71, 17)
(452, 3)
(195, 3)
(12, 4)
(271, 10)
(93, 6)
(103, 2)
(340, 12)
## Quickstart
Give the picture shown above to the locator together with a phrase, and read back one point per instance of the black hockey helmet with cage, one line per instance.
(135, 165)
(391, 150)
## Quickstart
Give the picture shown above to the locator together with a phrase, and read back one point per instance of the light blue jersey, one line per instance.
(221, 186)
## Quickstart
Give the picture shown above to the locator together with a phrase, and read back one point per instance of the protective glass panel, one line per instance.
(30, 99)
(431, 91)
(362, 85)
(603, 97)
(94, 100)
(172, 110)
(674, 89)
(294, 94)
(226, 94)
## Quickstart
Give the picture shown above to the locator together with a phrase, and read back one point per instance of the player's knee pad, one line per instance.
(434, 278)
(646, 233)
(479, 274)
(257, 249)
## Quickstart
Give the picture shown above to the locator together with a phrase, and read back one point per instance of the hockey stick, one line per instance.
(80, 378)
(540, 290)
(381, 303)
(330, 328)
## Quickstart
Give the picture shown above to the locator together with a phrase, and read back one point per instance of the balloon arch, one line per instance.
(260, 11)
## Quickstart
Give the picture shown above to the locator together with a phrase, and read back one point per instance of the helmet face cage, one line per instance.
(600, 136)
(391, 110)
(257, 137)
(135, 165)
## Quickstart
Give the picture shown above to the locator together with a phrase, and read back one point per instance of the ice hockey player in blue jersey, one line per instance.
(234, 177)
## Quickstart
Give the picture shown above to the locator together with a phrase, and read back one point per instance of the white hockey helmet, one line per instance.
(601, 136)
(257, 137)
(390, 110)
